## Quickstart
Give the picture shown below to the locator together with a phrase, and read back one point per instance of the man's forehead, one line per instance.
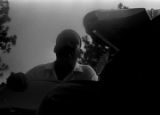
(67, 42)
(66, 47)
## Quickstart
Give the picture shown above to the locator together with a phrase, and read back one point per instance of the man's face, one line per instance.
(67, 56)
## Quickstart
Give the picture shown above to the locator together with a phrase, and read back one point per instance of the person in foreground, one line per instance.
(65, 67)
(75, 98)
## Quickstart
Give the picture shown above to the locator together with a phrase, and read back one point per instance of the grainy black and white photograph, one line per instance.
(77, 56)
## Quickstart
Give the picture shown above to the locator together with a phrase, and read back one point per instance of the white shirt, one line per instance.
(46, 72)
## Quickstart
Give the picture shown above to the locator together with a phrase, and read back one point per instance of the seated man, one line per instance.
(65, 67)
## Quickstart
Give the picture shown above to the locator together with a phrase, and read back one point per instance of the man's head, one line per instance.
(67, 47)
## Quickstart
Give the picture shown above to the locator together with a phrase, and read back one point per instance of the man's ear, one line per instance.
(79, 51)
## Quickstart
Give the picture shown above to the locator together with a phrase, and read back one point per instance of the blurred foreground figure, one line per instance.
(74, 98)
(65, 67)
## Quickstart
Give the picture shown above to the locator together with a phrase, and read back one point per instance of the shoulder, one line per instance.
(86, 68)
(89, 71)
(39, 68)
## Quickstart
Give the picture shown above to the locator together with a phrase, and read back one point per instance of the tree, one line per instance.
(6, 41)
(122, 6)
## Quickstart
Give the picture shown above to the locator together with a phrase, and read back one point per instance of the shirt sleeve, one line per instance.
(31, 74)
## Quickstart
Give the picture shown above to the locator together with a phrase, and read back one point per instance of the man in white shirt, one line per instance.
(65, 67)
(32, 87)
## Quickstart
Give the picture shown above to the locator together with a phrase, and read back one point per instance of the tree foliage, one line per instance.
(93, 53)
(122, 6)
(6, 41)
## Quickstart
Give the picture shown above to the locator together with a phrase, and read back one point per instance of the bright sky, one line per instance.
(134, 3)
(37, 24)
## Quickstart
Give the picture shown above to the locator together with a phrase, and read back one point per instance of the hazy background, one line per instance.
(37, 23)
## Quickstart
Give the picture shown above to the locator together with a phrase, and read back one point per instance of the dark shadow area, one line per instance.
(16, 111)
(75, 98)
(128, 77)
(130, 31)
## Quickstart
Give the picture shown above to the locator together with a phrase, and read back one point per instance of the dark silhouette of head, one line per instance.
(67, 47)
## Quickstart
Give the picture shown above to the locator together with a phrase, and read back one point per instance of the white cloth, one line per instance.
(47, 72)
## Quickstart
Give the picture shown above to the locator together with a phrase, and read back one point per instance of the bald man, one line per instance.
(65, 67)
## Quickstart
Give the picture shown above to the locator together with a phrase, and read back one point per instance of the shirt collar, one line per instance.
(77, 67)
